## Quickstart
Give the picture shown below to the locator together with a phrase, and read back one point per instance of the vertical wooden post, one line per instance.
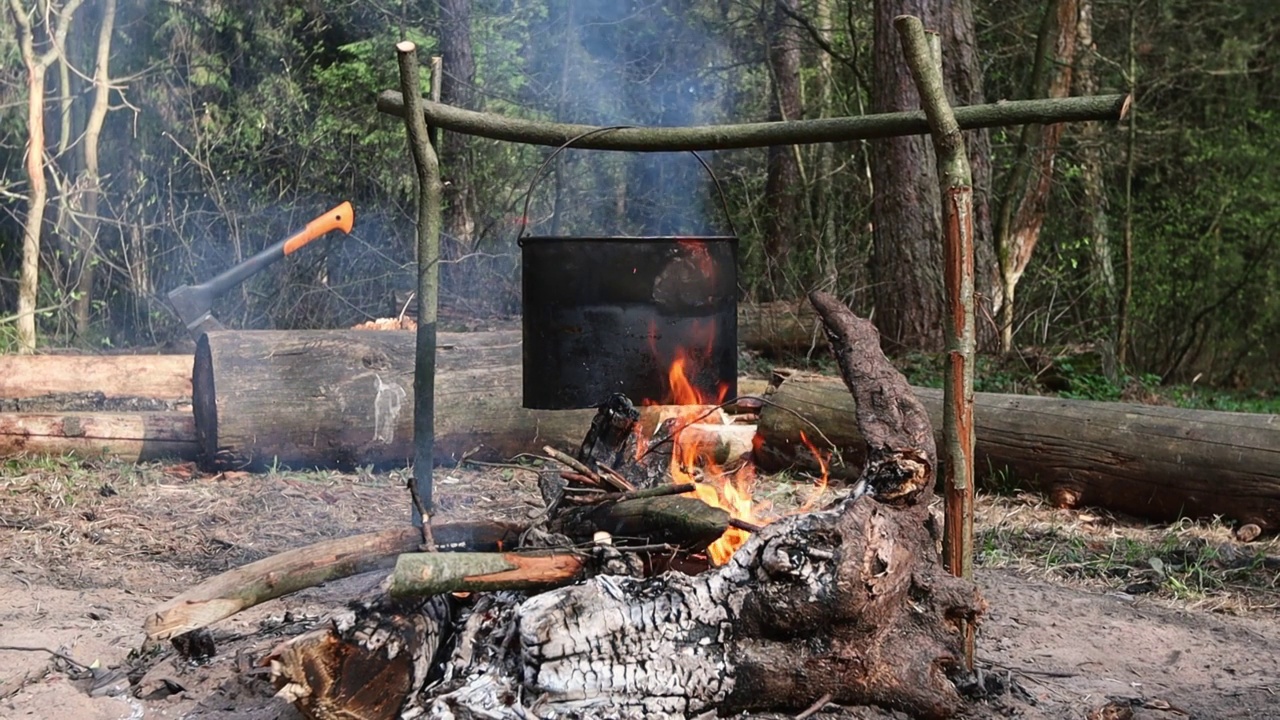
(430, 216)
(957, 230)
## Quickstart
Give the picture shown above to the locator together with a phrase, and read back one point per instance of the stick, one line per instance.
(748, 135)
(425, 574)
(430, 218)
(226, 594)
(958, 262)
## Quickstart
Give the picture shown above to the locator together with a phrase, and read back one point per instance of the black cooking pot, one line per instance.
(605, 315)
(610, 315)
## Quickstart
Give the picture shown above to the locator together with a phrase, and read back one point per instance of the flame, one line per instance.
(821, 485)
(715, 485)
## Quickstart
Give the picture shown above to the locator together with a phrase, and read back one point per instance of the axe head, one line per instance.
(194, 306)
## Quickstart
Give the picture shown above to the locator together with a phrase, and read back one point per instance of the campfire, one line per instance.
(653, 584)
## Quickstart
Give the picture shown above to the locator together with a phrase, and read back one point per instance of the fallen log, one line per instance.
(130, 436)
(780, 327)
(343, 398)
(1149, 461)
(158, 377)
(224, 595)
(850, 602)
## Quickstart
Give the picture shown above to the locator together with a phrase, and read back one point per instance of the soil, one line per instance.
(89, 549)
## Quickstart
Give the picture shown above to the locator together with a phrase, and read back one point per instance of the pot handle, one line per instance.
(542, 169)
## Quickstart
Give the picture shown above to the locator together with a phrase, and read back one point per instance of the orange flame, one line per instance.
(821, 485)
(694, 463)
(690, 463)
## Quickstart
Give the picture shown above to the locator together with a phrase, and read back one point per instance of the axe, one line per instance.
(194, 303)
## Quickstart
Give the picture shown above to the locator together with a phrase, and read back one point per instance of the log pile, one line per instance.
(609, 606)
(134, 407)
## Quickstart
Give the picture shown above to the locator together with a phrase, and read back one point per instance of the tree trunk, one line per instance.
(129, 436)
(457, 89)
(783, 191)
(89, 222)
(1101, 272)
(906, 213)
(37, 67)
(1149, 461)
(37, 194)
(160, 377)
(1030, 180)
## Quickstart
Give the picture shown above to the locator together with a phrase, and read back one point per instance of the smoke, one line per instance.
(632, 62)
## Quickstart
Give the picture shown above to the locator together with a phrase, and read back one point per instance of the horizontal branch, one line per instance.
(749, 135)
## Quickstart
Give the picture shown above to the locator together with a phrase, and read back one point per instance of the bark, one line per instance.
(129, 436)
(434, 573)
(906, 214)
(900, 454)
(1030, 180)
(457, 89)
(783, 188)
(1101, 271)
(159, 377)
(1148, 461)
(729, 137)
(430, 217)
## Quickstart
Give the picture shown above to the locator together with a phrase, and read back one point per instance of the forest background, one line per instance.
(177, 137)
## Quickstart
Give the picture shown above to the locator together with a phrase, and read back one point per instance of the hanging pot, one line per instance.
(605, 315)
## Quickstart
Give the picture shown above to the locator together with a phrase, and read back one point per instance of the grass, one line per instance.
(1192, 564)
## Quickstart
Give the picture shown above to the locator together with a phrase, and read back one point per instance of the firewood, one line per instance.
(682, 521)
(426, 574)
(226, 594)
(363, 663)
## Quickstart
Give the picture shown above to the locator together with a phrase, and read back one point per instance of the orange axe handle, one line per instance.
(339, 218)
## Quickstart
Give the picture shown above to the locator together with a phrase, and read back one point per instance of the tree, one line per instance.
(907, 263)
(1025, 198)
(1101, 271)
(784, 198)
(52, 25)
(457, 87)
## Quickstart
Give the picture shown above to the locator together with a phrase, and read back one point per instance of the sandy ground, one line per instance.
(87, 550)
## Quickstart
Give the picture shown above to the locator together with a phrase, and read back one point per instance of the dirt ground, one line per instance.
(1085, 610)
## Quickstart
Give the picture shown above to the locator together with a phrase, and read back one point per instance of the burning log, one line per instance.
(850, 602)
(1149, 461)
